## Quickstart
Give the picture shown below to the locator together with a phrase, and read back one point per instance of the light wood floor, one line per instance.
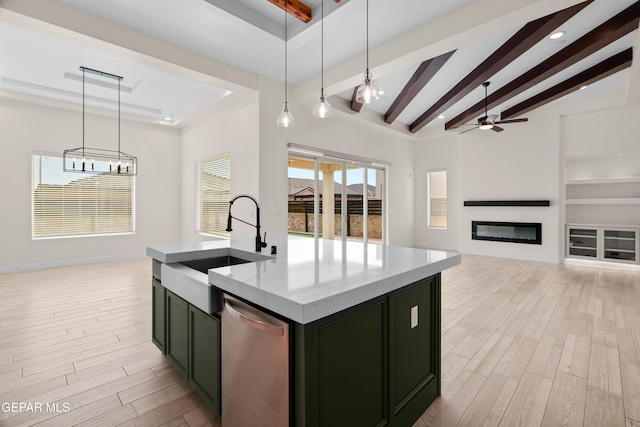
(523, 344)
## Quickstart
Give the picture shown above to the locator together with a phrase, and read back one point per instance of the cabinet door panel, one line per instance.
(157, 315)
(414, 349)
(177, 332)
(352, 361)
(204, 359)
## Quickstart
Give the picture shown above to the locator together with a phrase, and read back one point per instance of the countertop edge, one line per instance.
(304, 313)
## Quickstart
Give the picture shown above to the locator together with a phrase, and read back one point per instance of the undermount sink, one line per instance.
(203, 265)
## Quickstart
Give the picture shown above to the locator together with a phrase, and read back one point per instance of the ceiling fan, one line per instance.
(489, 121)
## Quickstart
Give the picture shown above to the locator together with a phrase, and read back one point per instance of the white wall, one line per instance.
(25, 128)
(520, 163)
(246, 127)
(523, 162)
(526, 161)
(437, 153)
(231, 128)
(341, 133)
(601, 131)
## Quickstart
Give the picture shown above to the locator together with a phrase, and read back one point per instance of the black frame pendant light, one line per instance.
(322, 108)
(100, 161)
(367, 92)
(285, 119)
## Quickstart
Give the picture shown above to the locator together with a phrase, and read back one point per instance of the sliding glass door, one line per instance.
(335, 198)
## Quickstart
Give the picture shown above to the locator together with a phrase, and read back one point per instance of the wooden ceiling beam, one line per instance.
(603, 69)
(524, 39)
(295, 8)
(420, 78)
(603, 35)
(355, 105)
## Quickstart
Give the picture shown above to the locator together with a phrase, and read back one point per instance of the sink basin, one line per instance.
(189, 279)
(203, 265)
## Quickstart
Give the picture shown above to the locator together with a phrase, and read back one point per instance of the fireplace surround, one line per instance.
(512, 232)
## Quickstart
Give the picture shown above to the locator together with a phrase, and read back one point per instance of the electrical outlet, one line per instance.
(414, 316)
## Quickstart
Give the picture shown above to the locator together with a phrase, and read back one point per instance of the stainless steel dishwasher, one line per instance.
(255, 367)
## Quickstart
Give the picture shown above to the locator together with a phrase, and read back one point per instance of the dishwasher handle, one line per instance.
(254, 323)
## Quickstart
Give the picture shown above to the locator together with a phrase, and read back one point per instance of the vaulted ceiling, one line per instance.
(529, 35)
(430, 59)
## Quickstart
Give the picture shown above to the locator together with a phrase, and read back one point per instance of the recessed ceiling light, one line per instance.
(584, 87)
(441, 116)
(167, 118)
(556, 35)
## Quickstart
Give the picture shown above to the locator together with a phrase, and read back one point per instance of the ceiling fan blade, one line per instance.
(497, 128)
(468, 130)
(524, 119)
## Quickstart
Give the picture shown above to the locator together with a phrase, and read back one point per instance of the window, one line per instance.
(437, 199)
(77, 204)
(214, 178)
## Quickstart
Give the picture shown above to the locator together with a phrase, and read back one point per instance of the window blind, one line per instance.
(77, 204)
(215, 193)
(437, 199)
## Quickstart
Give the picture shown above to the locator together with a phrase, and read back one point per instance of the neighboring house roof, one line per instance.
(304, 187)
(357, 188)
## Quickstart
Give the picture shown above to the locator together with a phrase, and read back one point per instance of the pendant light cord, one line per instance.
(285, 52)
(119, 120)
(83, 73)
(367, 39)
(322, 49)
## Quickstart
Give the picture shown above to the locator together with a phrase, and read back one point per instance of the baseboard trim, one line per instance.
(68, 263)
(423, 246)
(511, 256)
(602, 264)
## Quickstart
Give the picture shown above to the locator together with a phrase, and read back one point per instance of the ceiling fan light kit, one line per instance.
(488, 122)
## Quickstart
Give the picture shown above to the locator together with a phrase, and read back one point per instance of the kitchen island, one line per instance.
(362, 326)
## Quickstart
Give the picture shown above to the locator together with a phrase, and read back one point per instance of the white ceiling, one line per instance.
(248, 35)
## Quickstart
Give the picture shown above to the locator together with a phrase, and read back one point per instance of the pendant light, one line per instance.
(322, 108)
(367, 92)
(101, 161)
(285, 119)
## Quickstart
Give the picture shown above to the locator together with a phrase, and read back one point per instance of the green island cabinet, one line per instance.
(158, 297)
(190, 339)
(376, 364)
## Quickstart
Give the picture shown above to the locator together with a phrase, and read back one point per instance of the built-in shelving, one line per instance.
(582, 242)
(606, 243)
(603, 189)
(605, 201)
(612, 180)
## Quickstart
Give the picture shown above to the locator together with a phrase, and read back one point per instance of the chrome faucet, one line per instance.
(259, 242)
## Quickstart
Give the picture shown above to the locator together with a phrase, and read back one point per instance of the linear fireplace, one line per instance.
(514, 232)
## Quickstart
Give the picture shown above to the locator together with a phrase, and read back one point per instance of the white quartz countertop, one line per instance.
(309, 279)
